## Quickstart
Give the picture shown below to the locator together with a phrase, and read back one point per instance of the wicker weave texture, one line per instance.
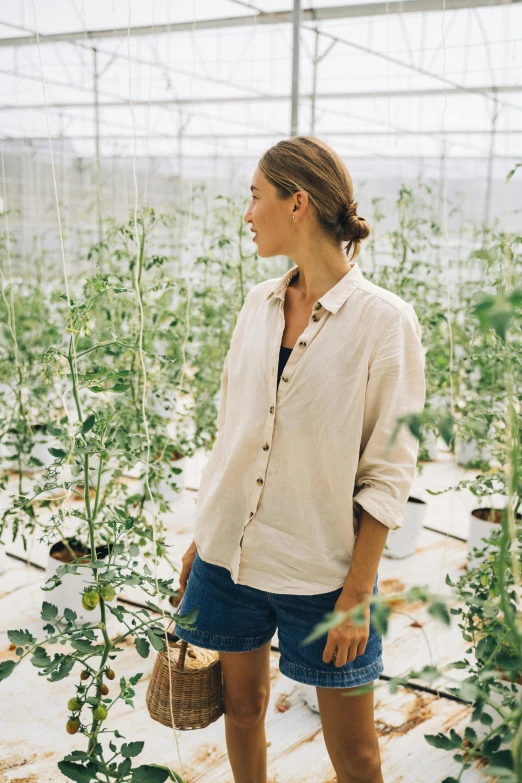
(197, 693)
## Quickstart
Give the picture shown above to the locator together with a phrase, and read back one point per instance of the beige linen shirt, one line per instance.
(280, 496)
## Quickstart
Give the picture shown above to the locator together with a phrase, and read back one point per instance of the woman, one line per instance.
(303, 484)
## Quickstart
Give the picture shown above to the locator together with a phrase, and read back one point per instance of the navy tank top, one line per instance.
(284, 354)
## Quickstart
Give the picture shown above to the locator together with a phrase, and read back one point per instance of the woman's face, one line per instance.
(270, 216)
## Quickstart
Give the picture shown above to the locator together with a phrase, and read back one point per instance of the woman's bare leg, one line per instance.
(349, 734)
(246, 685)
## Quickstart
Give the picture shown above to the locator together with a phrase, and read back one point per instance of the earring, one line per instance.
(293, 217)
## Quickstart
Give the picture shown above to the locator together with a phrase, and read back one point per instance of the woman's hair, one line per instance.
(308, 163)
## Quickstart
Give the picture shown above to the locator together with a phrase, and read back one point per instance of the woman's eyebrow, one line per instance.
(253, 187)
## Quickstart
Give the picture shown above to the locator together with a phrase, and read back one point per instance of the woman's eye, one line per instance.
(254, 197)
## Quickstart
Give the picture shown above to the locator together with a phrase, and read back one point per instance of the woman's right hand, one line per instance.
(187, 560)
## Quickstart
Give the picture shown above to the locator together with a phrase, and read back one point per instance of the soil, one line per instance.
(491, 515)
(60, 552)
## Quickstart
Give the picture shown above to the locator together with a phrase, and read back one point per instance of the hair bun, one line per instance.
(347, 211)
(353, 226)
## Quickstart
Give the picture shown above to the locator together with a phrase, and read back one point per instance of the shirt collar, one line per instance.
(332, 299)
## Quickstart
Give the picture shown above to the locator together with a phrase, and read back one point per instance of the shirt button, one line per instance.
(284, 378)
(317, 306)
(315, 318)
(272, 409)
(251, 514)
(260, 481)
(303, 343)
(266, 447)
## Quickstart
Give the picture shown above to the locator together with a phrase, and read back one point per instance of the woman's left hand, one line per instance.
(350, 640)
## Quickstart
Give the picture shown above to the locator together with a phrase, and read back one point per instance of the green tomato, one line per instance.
(90, 600)
(74, 704)
(107, 592)
(100, 712)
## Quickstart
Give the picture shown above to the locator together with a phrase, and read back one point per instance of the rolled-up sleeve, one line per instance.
(396, 387)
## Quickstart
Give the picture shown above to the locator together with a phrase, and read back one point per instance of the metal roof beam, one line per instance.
(486, 89)
(228, 136)
(262, 18)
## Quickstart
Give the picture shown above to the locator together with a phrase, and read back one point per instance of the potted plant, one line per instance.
(483, 521)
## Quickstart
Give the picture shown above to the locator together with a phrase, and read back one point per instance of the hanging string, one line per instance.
(183, 349)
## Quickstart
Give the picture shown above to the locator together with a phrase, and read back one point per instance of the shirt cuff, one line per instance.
(382, 506)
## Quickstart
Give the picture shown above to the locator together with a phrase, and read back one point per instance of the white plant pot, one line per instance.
(94, 462)
(431, 445)
(403, 541)
(479, 529)
(178, 478)
(468, 451)
(136, 471)
(68, 595)
(5, 464)
(309, 695)
(41, 451)
(194, 468)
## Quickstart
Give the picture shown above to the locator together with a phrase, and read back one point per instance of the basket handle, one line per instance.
(182, 649)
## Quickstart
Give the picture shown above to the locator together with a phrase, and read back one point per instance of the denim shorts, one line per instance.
(238, 618)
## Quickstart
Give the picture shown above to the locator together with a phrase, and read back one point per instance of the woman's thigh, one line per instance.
(348, 724)
(246, 682)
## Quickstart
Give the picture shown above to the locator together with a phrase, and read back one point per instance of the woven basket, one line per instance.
(194, 679)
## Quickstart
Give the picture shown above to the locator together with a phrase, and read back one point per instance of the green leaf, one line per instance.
(142, 647)
(134, 550)
(40, 658)
(84, 646)
(512, 172)
(88, 424)
(76, 772)
(77, 755)
(49, 612)
(6, 667)
(157, 642)
(439, 741)
(56, 452)
(63, 670)
(69, 615)
(149, 774)
(470, 734)
(445, 426)
(21, 638)
(125, 766)
(130, 749)
(440, 612)
(57, 432)
(135, 678)
(120, 387)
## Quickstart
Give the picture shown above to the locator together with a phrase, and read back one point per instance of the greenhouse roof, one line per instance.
(416, 78)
